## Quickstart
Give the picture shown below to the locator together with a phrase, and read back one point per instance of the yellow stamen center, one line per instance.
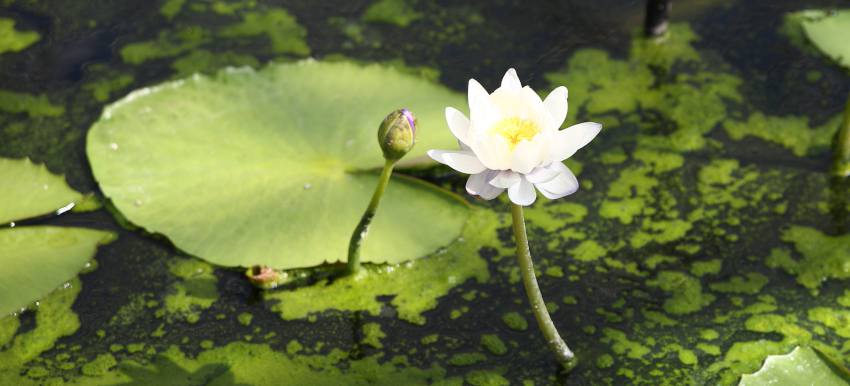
(515, 130)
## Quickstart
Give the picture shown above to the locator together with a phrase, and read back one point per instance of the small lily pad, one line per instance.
(30, 190)
(803, 366)
(38, 259)
(828, 31)
(275, 167)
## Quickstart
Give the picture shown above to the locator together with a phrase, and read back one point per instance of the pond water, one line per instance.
(706, 236)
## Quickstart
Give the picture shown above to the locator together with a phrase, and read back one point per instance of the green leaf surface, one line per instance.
(30, 190)
(829, 33)
(275, 166)
(803, 366)
(38, 259)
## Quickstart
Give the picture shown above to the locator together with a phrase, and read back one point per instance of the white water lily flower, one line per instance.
(511, 141)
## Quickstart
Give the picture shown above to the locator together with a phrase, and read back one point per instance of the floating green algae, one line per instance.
(396, 12)
(33, 105)
(687, 295)
(835, 319)
(99, 366)
(751, 283)
(415, 285)
(709, 267)
(824, 257)
(674, 47)
(604, 361)
(466, 359)
(588, 250)
(104, 89)
(193, 292)
(372, 335)
(245, 318)
(12, 40)
(793, 133)
(622, 345)
(53, 320)
(486, 378)
(553, 217)
(171, 8)
(624, 210)
(284, 32)
(259, 365)
(230, 8)
(695, 102)
(207, 62)
(491, 342)
(167, 44)
(515, 321)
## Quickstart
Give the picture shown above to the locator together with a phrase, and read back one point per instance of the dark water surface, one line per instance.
(635, 318)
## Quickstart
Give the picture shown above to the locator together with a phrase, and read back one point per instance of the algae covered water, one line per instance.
(707, 233)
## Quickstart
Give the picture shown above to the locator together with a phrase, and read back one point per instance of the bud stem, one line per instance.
(841, 166)
(563, 353)
(362, 228)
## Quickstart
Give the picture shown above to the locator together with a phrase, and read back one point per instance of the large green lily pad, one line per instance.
(275, 166)
(828, 31)
(37, 259)
(30, 190)
(803, 366)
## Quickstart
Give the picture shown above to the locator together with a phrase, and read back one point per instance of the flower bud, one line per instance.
(397, 134)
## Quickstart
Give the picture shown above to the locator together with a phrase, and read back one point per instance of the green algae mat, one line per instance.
(706, 246)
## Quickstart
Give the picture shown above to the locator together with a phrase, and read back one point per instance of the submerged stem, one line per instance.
(841, 146)
(657, 16)
(363, 226)
(563, 353)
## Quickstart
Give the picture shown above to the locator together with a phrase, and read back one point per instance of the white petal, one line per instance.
(477, 185)
(476, 91)
(564, 184)
(542, 174)
(493, 152)
(536, 110)
(462, 161)
(511, 81)
(569, 140)
(476, 96)
(522, 193)
(482, 112)
(458, 124)
(526, 157)
(556, 104)
(505, 179)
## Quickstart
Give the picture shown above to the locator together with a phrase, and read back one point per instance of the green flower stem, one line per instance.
(362, 228)
(842, 145)
(563, 353)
